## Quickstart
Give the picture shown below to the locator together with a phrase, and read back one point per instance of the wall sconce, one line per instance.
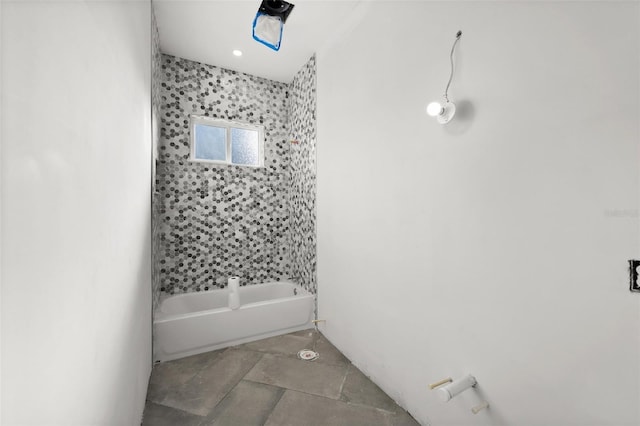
(445, 111)
(269, 22)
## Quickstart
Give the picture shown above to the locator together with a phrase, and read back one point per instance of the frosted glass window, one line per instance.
(245, 148)
(226, 142)
(211, 142)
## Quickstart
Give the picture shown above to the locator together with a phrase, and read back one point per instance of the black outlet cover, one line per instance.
(633, 275)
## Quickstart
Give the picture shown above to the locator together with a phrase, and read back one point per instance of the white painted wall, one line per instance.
(496, 245)
(76, 145)
(1, 133)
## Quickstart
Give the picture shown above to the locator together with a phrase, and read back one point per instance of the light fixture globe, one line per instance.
(448, 111)
(442, 112)
(434, 109)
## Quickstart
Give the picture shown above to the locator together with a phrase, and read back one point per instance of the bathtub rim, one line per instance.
(161, 317)
(164, 296)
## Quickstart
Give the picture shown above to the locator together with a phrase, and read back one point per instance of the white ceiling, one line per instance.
(209, 30)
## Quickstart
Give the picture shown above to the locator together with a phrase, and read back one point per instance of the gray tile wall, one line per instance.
(302, 175)
(156, 64)
(216, 221)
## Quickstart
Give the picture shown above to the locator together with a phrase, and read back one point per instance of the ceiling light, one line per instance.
(434, 109)
(237, 52)
(445, 111)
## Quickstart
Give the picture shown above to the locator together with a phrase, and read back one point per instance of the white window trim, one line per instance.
(227, 125)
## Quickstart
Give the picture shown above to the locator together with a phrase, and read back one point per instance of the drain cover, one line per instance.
(308, 355)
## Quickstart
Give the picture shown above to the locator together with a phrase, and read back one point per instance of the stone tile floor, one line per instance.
(264, 383)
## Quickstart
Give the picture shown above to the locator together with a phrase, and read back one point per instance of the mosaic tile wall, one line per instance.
(302, 175)
(218, 221)
(156, 63)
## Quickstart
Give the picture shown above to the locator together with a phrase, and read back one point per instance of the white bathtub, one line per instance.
(192, 323)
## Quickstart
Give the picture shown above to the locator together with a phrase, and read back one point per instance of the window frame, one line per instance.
(227, 125)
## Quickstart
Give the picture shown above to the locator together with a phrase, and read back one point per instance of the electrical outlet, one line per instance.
(634, 271)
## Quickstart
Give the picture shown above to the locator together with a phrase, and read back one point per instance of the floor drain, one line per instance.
(308, 355)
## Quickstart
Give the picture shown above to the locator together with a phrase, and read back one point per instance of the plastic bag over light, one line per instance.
(268, 30)
(269, 22)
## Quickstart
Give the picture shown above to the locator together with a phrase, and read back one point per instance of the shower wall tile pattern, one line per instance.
(220, 220)
(156, 64)
(302, 175)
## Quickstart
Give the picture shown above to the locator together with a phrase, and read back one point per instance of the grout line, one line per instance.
(214, 412)
(300, 391)
(282, 391)
(357, 405)
(364, 405)
(260, 383)
(344, 379)
(313, 394)
(189, 413)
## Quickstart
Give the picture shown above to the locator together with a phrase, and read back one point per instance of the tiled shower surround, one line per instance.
(156, 77)
(302, 174)
(217, 220)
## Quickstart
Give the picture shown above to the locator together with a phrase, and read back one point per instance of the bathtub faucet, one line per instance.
(296, 279)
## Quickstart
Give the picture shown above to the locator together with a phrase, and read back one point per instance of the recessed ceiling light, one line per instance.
(237, 52)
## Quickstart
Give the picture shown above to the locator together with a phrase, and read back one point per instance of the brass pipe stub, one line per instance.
(432, 386)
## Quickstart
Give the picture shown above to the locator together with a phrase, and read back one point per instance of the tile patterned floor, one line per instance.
(264, 383)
